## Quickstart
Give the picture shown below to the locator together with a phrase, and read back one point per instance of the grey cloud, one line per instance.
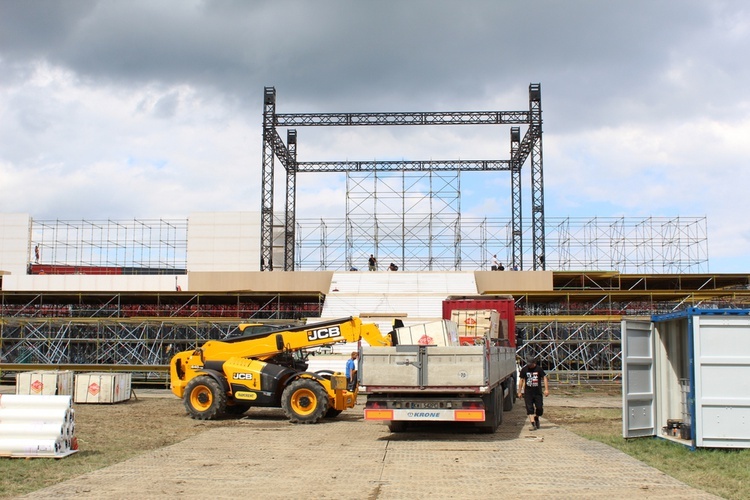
(166, 106)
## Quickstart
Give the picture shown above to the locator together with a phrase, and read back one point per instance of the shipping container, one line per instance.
(45, 383)
(102, 387)
(686, 377)
(503, 304)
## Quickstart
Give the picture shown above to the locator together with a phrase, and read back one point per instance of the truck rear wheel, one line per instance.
(204, 398)
(397, 426)
(304, 401)
(493, 413)
(508, 400)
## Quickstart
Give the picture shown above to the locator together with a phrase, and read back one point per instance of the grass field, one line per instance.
(162, 421)
(723, 472)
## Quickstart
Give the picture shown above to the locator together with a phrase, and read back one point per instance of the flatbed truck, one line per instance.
(410, 384)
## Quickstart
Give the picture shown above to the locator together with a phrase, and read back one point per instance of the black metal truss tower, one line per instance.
(521, 149)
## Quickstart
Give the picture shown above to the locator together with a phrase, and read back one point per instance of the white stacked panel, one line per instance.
(419, 295)
(102, 387)
(328, 362)
(45, 382)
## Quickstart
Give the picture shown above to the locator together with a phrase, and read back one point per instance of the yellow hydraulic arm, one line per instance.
(349, 329)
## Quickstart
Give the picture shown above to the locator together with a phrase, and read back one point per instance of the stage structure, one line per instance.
(521, 148)
(446, 241)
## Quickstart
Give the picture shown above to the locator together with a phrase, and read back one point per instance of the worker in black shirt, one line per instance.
(530, 382)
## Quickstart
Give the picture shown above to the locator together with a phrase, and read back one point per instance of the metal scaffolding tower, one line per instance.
(410, 219)
(521, 149)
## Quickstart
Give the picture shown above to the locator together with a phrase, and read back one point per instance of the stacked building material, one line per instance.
(45, 382)
(102, 387)
(37, 426)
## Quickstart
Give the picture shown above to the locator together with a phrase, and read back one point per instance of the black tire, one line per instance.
(204, 398)
(237, 408)
(333, 413)
(508, 400)
(397, 426)
(304, 401)
(499, 408)
(493, 414)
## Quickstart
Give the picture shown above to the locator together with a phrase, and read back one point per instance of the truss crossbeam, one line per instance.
(404, 166)
(402, 118)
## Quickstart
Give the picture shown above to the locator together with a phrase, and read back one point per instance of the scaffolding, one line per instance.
(135, 330)
(574, 328)
(410, 218)
(134, 244)
(447, 241)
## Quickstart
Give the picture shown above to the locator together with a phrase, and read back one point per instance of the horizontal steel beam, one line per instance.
(403, 118)
(404, 166)
(27, 367)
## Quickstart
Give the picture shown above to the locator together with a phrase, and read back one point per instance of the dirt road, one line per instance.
(263, 456)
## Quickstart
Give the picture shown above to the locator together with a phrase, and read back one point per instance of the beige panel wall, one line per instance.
(94, 283)
(223, 241)
(277, 281)
(490, 282)
(15, 249)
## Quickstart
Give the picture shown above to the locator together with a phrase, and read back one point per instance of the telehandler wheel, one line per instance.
(204, 398)
(333, 413)
(304, 401)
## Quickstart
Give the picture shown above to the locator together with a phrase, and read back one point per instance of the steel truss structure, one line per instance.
(521, 149)
(134, 330)
(574, 328)
(439, 238)
(138, 243)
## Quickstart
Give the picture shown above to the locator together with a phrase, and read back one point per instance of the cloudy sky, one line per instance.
(153, 109)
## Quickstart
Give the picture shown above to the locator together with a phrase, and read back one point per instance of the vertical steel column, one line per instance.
(515, 189)
(291, 199)
(458, 259)
(266, 201)
(537, 178)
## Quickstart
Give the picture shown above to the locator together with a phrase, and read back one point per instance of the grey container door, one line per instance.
(638, 379)
(721, 414)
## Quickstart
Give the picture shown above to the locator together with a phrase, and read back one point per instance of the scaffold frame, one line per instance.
(137, 243)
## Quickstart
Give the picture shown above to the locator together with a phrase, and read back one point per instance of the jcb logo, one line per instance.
(242, 376)
(324, 333)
